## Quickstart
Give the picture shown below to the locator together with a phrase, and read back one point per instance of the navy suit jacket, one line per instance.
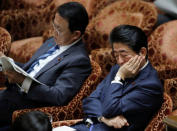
(137, 99)
(63, 77)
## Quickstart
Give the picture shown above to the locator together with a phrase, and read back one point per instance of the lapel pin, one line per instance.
(133, 83)
(59, 59)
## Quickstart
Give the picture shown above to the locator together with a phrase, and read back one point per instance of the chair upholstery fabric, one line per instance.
(65, 123)
(134, 12)
(5, 41)
(5, 44)
(23, 4)
(22, 50)
(156, 124)
(74, 108)
(104, 58)
(28, 22)
(162, 49)
(170, 86)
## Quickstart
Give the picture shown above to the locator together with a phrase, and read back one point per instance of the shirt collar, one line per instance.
(144, 65)
(67, 46)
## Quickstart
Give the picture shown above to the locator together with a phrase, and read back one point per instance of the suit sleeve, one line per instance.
(92, 105)
(140, 99)
(65, 87)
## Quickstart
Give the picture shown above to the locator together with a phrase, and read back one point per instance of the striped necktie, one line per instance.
(44, 56)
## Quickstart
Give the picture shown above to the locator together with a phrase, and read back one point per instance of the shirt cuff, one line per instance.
(26, 84)
(99, 118)
(117, 79)
(88, 120)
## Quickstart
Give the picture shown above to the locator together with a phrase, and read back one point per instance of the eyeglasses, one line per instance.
(121, 54)
(58, 30)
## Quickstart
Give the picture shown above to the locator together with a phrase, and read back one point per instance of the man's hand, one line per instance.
(14, 77)
(131, 68)
(116, 122)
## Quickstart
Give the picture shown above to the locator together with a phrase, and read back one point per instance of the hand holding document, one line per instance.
(8, 64)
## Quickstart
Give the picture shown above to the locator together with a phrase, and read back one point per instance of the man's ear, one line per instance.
(143, 52)
(76, 34)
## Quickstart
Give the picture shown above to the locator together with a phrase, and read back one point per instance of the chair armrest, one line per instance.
(65, 123)
(57, 112)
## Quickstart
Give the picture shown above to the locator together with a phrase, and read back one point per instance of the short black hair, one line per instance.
(75, 14)
(129, 35)
(32, 121)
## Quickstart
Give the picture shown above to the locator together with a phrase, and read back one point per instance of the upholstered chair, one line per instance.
(23, 4)
(73, 110)
(23, 23)
(65, 123)
(134, 12)
(162, 49)
(5, 44)
(22, 50)
(156, 124)
(94, 6)
(170, 86)
(5, 41)
(105, 58)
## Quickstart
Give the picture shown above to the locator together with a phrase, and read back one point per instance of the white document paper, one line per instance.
(7, 63)
(64, 128)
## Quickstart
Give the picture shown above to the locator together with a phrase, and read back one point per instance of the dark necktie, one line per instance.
(44, 56)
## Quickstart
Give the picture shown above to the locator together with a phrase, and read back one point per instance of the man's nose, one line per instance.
(120, 61)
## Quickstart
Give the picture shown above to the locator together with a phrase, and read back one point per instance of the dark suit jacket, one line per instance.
(137, 100)
(63, 77)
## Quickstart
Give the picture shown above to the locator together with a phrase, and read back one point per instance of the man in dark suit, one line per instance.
(61, 64)
(128, 97)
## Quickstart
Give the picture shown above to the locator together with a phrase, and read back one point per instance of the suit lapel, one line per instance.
(57, 60)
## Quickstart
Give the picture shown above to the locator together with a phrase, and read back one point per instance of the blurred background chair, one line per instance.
(23, 4)
(156, 124)
(134, 12)
(162, 49)
(105, 58)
